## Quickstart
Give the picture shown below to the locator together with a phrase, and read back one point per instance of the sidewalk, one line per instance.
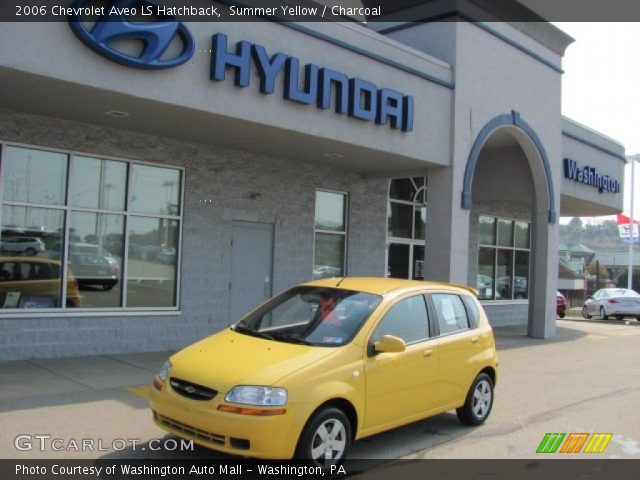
(50, 376)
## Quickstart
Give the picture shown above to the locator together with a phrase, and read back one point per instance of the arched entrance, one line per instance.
(509, 191)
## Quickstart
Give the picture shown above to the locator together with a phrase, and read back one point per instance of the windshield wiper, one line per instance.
(292, 339)
(254, 333)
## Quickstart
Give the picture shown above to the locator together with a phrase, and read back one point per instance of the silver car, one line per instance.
(612, 302)
(22, 245)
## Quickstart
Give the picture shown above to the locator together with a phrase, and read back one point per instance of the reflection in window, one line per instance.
(153, 248)
(407, 320)
(95, 183)
(398, 261)
(406, 227)
(36, 219)
(155, 190)
(30, 273)
(34, 176)
(330, 234)
(503, 259)
(330, 211)
(95, 257)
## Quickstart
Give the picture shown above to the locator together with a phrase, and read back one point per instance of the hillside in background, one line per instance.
(599, 237)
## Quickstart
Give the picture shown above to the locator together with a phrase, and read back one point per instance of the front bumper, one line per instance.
(268, 437)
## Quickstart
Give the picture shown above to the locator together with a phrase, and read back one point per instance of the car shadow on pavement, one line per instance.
(408, 440)
(515, 336)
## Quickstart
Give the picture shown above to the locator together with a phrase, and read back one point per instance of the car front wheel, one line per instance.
(479, 401)
(585, 313)
(326, 438)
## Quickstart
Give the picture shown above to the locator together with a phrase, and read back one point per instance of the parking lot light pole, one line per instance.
(632, 224)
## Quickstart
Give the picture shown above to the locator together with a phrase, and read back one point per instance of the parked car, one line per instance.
(561, 305)
(23, 245)
(329, 362)
(34, 282)
(612, 302)
(94, 269)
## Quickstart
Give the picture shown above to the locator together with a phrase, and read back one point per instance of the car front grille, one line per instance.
(191, 390)
(189, 431)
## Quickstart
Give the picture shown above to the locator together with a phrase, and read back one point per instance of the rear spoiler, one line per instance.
(465, 287)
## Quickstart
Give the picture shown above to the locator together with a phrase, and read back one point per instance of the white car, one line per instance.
(22, 245)
(612, 302)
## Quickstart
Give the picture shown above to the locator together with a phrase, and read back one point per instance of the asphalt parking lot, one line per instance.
(584, 380)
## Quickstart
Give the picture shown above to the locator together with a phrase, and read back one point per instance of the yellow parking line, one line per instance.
(595, 337)
(140, 390)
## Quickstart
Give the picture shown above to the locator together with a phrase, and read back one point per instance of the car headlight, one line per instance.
(164, 371)
(257, 395)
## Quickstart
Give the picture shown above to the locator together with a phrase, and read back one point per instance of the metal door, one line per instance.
(251, 267)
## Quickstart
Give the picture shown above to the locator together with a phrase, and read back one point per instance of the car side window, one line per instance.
(472, 310)
(450, 313)
(407, 319)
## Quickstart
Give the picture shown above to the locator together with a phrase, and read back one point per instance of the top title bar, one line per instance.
(361, 11)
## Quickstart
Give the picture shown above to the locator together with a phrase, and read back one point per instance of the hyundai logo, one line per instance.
(154, 36)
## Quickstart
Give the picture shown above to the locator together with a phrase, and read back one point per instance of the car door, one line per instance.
(594, 306)
(402, 384)
(460, 347)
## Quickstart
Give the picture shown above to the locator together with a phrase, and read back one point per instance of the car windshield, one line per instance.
(622, 292)
(328, 317)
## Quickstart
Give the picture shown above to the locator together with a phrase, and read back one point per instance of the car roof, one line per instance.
(29, 260)
(382, 286)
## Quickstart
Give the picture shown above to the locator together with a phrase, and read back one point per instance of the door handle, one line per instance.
(428, 353)
(474, 339)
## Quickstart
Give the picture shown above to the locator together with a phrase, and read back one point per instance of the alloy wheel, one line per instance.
(329, 442)
(482, 397)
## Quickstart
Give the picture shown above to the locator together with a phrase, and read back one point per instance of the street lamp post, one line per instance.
(631, 225)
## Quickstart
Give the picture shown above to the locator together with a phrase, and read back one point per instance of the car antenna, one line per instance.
(338, 284)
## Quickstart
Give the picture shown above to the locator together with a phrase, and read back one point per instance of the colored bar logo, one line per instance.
(574, 442)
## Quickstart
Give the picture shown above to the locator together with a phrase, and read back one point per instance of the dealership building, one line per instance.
(151, 197)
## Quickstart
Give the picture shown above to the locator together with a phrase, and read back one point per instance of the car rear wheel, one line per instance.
(619, 317)
(30, 251)
(603, 314)
(326, 438)
(585, 313)
(479, 401)
(561, 314)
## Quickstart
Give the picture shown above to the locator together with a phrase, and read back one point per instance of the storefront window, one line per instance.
(330, 234)
(49, 233)
(406, 227)
(503, 259)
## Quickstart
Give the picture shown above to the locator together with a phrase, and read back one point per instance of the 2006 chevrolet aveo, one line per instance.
(329, 362)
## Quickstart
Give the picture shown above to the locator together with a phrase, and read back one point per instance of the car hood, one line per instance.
(228, 358)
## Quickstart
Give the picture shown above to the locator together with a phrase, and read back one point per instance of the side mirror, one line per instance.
(389, 344)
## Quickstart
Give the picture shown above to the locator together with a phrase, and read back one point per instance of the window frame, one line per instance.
(344, 233)
(412, 242)
(513, 249)
(63, 310)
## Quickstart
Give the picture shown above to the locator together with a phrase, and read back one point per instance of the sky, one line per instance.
(601, 87)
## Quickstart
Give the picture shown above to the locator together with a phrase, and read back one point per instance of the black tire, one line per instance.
(108, 286)
(619, 318)
(30, 251)
(603, 315)
(476, 410)
(311, 440)
(561, 314)
(584, 313)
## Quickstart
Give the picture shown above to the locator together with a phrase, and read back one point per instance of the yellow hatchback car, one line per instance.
(329, 362)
